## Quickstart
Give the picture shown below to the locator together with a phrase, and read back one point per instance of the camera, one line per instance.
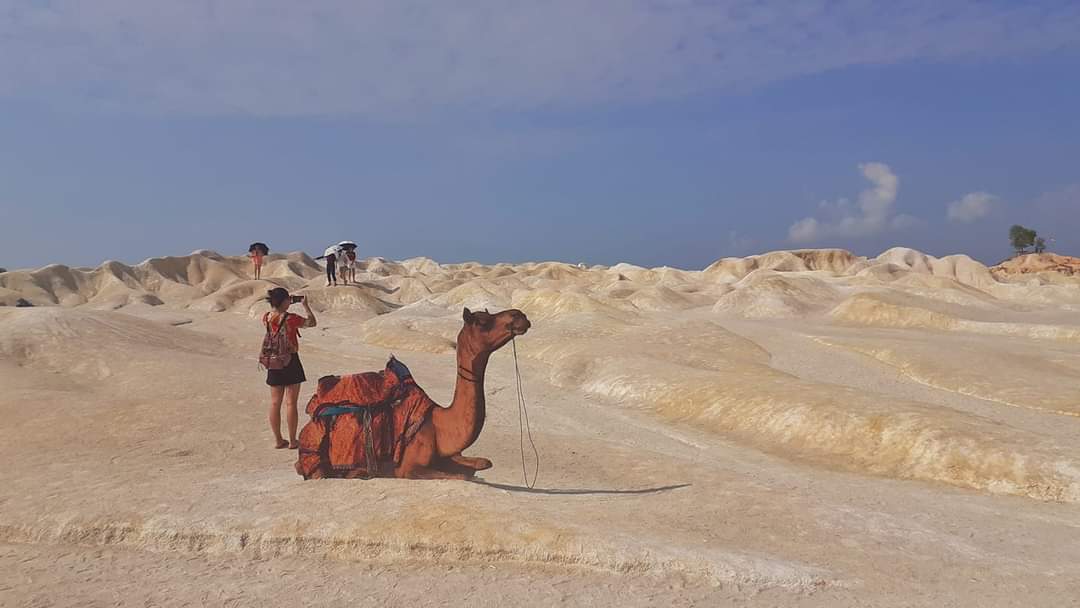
(297, 299)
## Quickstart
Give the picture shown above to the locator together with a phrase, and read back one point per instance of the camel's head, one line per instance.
(490, 332)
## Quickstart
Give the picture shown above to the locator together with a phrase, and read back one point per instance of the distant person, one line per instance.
(343, 265)
(258, 251)
(348, 266)
(256, 263)
(331, 269)
(285, 382)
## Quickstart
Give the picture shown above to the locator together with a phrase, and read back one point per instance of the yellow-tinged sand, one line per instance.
(795, 428)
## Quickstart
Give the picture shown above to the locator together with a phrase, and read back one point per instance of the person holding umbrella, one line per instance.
(346, 260)
(258, 251)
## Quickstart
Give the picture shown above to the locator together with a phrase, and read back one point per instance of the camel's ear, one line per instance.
(467, 315)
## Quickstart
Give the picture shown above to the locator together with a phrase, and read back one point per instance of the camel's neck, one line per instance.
(458, 426)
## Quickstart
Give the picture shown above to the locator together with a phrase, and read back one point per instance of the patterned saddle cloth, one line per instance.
(361, 423)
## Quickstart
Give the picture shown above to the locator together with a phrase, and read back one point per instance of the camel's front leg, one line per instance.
(476, 464)
(421, 472)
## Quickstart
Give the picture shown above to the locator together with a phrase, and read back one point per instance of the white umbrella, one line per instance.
(332, 250)
(347, 245)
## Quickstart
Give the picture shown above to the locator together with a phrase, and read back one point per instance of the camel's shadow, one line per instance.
(579, 491)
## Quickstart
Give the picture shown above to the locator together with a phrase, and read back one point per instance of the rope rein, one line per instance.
(523, 426)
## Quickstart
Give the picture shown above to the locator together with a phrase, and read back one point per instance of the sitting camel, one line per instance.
(435, 451)
(431, 450)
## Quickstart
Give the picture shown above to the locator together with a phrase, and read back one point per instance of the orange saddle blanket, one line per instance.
(361, 423)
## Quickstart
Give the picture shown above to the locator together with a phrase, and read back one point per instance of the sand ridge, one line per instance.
(793, 422)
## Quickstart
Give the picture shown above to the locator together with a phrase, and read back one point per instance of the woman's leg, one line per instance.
(276, 393)
(292, 393)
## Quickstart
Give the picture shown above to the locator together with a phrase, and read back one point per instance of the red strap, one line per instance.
(282, 322)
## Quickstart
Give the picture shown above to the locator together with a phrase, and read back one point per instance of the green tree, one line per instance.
(1021, 238)
(1040, 245)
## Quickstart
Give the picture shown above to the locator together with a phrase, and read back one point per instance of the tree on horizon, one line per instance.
(1021, 238)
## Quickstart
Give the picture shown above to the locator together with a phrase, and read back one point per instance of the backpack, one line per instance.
(276, 351)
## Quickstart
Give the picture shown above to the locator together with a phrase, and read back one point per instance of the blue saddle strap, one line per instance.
(337, 410)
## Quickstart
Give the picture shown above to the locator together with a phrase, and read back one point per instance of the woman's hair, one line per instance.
(276, 296)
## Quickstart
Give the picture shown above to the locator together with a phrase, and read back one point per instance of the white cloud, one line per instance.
(738, 243)
(804, 230)
(972, 207)
(404, 57)
(871, 214)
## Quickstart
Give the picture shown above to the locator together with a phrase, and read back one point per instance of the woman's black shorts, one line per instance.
(293, 373)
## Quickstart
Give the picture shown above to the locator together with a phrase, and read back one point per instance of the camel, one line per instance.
(435, 451)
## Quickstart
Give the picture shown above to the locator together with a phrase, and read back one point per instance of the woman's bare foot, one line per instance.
(281, 444)
(293, 445)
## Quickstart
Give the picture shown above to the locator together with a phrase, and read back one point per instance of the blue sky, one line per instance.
(644, 131)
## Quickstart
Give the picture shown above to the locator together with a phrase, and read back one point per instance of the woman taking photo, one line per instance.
(285, 382)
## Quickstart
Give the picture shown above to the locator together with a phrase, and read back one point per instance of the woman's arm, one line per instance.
(310, 322)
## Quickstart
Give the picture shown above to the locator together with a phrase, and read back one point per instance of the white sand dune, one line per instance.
(176, 280)
(830, 428)
(767, 294)
(907, 310)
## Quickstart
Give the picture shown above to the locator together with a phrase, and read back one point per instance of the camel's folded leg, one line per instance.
(309, 461)
(316, 474)
(447, 465)
(476, 464)
(421, 472)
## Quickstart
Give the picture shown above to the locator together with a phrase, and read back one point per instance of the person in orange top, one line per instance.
(257, 262)
(257, 251)
(285, 383)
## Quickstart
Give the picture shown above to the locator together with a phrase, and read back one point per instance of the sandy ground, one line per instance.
(105, 576)
(704, 439)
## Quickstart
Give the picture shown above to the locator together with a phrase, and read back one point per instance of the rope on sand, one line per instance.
(523, 426)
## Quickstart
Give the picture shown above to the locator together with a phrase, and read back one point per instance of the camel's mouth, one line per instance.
(520, 326)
